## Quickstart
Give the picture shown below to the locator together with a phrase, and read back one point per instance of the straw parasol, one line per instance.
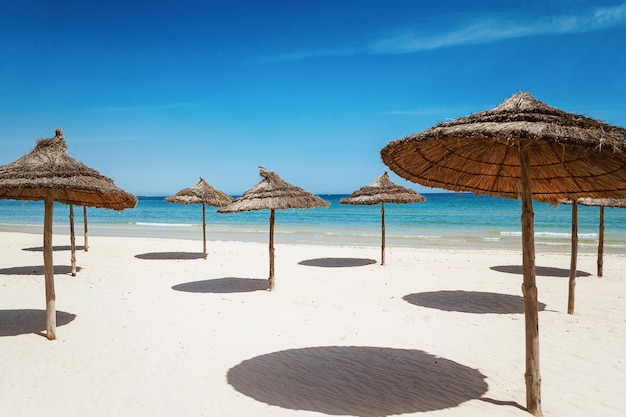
(522, 148)
(73, 237)
(48, 173)
(593, 202)
(382, 191)
(273, 193)
(201, 193)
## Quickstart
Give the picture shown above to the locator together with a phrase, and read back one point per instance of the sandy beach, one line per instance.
(149, 328)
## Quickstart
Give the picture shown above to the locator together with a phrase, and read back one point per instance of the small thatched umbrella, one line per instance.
(201, 193)
(574, 253)
(273, 193)
(73, 237)
(522, 148)
(48, 173)
(382, 191)
(593, 202)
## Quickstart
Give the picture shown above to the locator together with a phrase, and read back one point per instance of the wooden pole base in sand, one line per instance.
(529, 289)
(574, 259)
(382, 248)
(271, 278)
(203, 231)
(86, 246)
(72, 241)
(48, 267)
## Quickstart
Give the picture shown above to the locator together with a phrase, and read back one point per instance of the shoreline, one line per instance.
(548, 243)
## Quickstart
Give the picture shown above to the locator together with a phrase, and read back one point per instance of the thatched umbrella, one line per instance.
(613, 202)
(73, 237)
(201, 193)
(48, 173)
(382, 191)
(273, 193)
(522, 148)
(593, 202)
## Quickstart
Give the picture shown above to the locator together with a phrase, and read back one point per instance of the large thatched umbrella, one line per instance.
(48, 173)
(382, 191)
(273, 193)
(201, 193)
(522, 148)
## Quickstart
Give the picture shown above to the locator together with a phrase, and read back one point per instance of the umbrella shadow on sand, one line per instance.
(358, 380)
(170, 255)
(337, 262)
(545, 271)
(223, 285)
(54, 248)
(24, 321)
(37, 270)
(475, 302)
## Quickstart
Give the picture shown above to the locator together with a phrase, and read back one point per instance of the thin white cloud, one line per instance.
(477, 31)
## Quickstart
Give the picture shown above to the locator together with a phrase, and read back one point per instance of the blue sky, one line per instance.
(156, 94)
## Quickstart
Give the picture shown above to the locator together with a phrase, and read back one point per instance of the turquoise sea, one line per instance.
(456, 220)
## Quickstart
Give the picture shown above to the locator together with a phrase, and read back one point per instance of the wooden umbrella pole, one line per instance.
(529, 289)
(271, 278)
(72, 240)
(204, 230)
(601, 241)
(48, 267)
(573, 266)
(85, 222)
(382, 248)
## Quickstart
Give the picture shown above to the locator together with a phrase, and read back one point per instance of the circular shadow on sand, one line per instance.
(476, 302)
(16, 322)
(223, 285)
(170, 255)
(37, 270)
(545, 271)
(337, 262)
(357, 380)
(54, 248)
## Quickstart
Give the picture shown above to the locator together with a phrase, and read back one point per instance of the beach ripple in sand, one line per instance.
(357, 380)
(476, 302)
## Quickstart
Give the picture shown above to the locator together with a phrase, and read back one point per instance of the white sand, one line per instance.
(437, 333)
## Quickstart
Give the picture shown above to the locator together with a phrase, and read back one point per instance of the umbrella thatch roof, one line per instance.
(383, 190)
(571, 155)
(201, 193)
(48, 170)
(274, 193)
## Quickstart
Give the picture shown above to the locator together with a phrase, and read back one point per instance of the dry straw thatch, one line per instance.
(382, 191)
(273, 193)
(48, 173)
(201, 193)
(571, 156)
(522, 148)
